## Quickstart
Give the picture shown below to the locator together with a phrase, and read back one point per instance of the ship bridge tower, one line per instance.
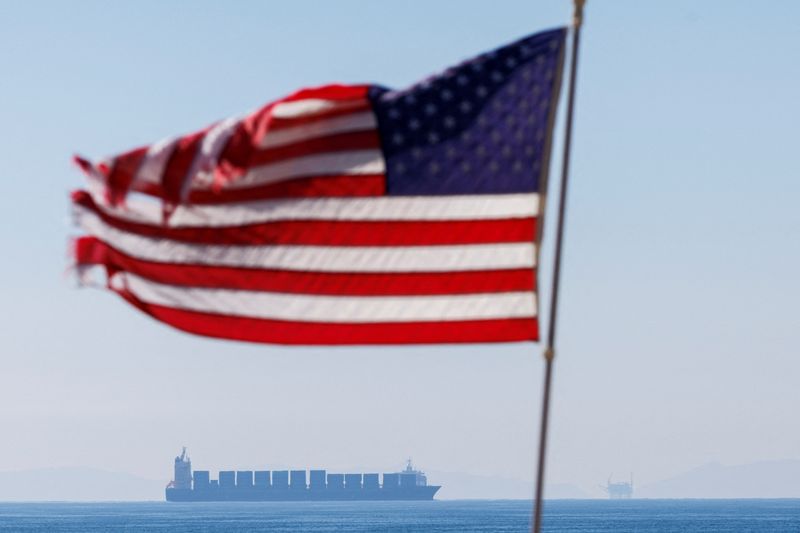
(183, 471)
(419, 478)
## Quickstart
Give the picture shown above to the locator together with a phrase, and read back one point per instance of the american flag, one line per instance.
(343, 214)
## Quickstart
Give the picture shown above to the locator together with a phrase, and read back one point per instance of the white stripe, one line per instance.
(96, 182)
(315, 258)
(311, 106)
(155, 161)
(201, 173)
(466, 207)
(353, 162)
(348, 123)
(338, 309)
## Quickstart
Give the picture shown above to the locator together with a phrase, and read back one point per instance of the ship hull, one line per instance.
(293, 495)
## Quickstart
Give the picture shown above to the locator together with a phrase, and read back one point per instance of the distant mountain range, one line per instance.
(766, 479)
(77, 484)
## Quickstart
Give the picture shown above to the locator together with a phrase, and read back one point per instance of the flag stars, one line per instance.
(485, 119)
(389, 97)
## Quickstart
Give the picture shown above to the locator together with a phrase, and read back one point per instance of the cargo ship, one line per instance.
(294, 485)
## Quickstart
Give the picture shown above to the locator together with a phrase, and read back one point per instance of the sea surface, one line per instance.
(686, 516)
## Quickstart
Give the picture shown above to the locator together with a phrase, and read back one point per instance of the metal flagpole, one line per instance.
(549, 352)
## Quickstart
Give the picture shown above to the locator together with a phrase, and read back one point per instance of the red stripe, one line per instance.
(333, 232)
(316, 333)
(84, 164)
(235, 157)
(148, 188)
(92, 251)
(122, 172)
(310, 187)
(360, 140)
(314, 186)
(175, 173)
(357, 106)
(333, 91)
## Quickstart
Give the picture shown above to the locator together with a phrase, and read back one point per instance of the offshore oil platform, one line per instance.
(293, 485)
(620, 490)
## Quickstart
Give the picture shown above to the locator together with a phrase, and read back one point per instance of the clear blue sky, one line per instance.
(679, 331)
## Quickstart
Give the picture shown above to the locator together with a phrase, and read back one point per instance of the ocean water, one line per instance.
(645, 516)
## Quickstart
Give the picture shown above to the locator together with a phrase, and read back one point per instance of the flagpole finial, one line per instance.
(577, 16)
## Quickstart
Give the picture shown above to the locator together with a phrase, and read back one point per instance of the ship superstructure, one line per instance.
(619, 490)
(295, 485)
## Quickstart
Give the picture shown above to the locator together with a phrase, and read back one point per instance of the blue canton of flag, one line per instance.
(480, 127)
